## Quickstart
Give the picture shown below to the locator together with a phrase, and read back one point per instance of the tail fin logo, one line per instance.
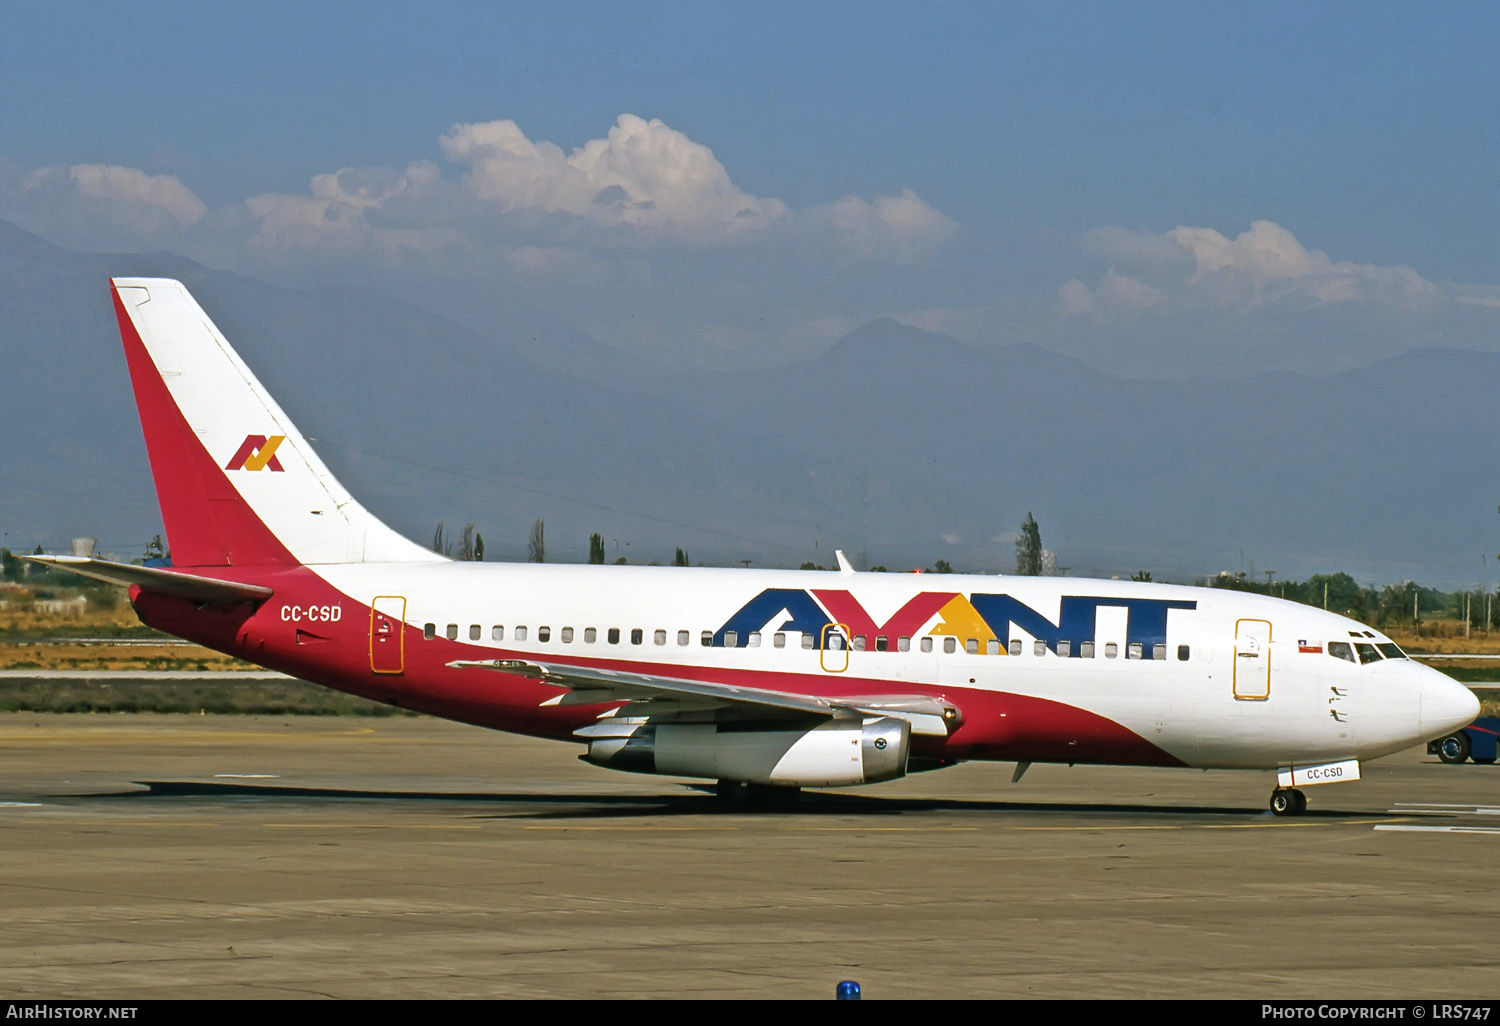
(257, 452)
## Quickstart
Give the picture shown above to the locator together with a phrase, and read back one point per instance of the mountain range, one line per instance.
(899, 445)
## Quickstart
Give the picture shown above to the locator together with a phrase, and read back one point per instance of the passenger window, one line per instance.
(731, 639)
(1133, 650)
(778, 640)
(637, 636)
(835, 641)
(807, 639)
(753, 640)
(544, 634)
(992, 646)
(927, 644)
(659, 638)
(1085, 650)
(497, 633)
(707, 639)
(1111, 650)
(1182, 653)
(1341, 650)
(1039, 648)
(520, 633)
(1065, 648)
(590, 635)
(567, 635)
(1158, 651)
(452, 632)
(859, 643)
(474, 631)
(613, 636)
(903, 643)
(429, 631)
(683, 637)
(950, 645)
(1015, 646)
(882, 643)
(971, 646)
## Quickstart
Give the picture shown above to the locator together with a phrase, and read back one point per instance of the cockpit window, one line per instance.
(1367, 653)
(1391, 650)
(1341, 650)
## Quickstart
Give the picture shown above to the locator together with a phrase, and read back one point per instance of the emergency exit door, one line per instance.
(1252, 660)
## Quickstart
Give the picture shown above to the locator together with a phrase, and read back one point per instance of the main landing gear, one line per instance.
(1288, 801)
(738, 795)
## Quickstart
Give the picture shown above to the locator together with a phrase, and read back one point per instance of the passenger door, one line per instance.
(387, 639)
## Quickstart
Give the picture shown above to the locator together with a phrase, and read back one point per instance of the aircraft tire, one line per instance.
(1288, 801)
(1454, 748)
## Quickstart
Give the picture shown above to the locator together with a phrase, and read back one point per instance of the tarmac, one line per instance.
(149, 857)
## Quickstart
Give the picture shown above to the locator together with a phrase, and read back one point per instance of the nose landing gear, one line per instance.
(1288, 801)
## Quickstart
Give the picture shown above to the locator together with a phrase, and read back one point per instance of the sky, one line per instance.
(1159, 189)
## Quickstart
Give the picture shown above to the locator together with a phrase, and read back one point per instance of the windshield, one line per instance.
(1341, 650)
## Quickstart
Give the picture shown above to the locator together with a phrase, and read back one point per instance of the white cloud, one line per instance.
(1115, 294)
(643, 174)
(337, 213)
(904, 227)
(1264, 265)
(1267, 252)
(94, 205)
(129, 185)
(643, 182)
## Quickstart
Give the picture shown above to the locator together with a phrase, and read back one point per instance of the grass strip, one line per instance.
(271, 698)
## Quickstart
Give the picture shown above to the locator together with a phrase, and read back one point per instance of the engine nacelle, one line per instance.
(835, 754)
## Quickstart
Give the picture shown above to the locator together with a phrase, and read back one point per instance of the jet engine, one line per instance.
(837, 753)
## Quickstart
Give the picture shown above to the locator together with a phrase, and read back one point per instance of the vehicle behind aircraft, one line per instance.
(767, 679)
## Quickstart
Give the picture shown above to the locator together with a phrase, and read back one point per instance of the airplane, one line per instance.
(762, 681)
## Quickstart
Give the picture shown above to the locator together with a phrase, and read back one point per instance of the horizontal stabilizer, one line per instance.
(157, 580)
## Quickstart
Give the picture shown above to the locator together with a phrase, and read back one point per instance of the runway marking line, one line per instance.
(319, 825)
(1413, 828)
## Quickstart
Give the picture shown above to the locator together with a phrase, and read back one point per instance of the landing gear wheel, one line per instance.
(1288, 801)
(732, 794)
(1454, 748)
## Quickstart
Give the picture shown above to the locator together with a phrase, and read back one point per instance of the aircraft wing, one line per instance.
(157, 579)
(649, 693)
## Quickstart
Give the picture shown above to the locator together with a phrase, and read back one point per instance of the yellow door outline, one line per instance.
(1252, 661)
(387, 616)
(838, 633)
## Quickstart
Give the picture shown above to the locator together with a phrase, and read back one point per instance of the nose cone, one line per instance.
(1446, 705)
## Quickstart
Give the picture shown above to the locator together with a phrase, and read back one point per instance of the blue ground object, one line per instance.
(1476, 741)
